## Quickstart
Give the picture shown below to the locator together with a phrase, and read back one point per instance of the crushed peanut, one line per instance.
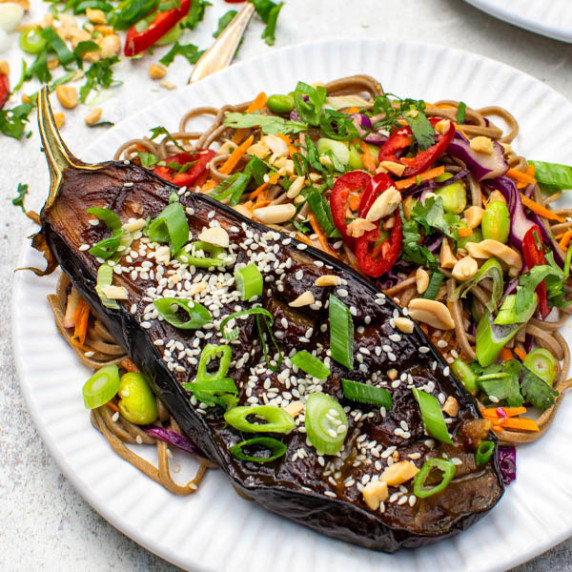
(393, 167)
(404, 325)
(67, 96)
(157, 71)
(294, 408)
(421, 280)
(431, 312)
(93, 116)
(304, 299)
(358, 227)
(375, 493)
(482, 144)
(399, 473)
(328, 280)
(451, 406)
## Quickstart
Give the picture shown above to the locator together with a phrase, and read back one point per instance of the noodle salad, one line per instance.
(428, 200)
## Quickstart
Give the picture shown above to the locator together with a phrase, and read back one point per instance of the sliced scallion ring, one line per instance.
(432, 416)
(197, 315)
(171, 226)
(310, 364)
(326, 423)
(101, 387)
(341, 333)
(210, 352)
(364, 393)
(448, 470)
(543, 364)
(249, 281)
(274, 419)
(276, 449)
(105, 278)
(484, 452)
(216, 258)
(107, 247)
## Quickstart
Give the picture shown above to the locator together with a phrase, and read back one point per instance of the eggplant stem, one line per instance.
(58, 156)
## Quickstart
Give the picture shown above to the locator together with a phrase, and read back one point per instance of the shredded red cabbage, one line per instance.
(175, 439)
(507, 464)
(432, 185)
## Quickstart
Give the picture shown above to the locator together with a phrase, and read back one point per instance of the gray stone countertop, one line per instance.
(44, 523)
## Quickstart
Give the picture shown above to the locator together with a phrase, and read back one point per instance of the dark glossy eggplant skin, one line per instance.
(294, 489)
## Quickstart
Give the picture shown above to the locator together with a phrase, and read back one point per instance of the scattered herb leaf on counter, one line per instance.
(188, 51)
(268, 11)
(195, 15)
(224, 21)
(22, 192)
(13, 121)
(99, 75)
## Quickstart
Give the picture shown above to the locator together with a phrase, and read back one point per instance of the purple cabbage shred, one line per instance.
(507, 464)
(175, 439)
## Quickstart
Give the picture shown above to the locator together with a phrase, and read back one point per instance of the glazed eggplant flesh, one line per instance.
(323, 492)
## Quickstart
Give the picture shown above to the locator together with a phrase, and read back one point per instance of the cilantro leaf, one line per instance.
(338, 126)
(189, 51)
(501, 381)
(536, 390)
(160, 130)
(13, 121)
(269, 124)
(432, 215)
(555, 285)
(148, 160)
(19, 200)
(309, 101)
(195, 15)
(224, 21)
(528, 282)
(99, 75)
(412, 250)
(83, 48)
(420, 127)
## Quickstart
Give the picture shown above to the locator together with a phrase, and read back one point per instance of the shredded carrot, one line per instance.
(81, 320)
(531, 171)
(127, 364)
(465, 232)
(112, 406)
(353, 110)
(284, 138)
(509, 411)
(520, 176)
(506, 354)
(565, 239)
(367, 158)
(354, 202)
(521, 423)
(302, 238)
(321, 236)
(520, 353)
(426, 176)
(208, 186)
(485, 202)
(271, 181)
(236, 156)
(460, 130)
(261, 202)
(256, 105)
(539, 209)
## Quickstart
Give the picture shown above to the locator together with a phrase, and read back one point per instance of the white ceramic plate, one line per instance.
(552, 18)
(216, 529)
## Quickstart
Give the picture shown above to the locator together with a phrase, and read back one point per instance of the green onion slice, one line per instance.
(197, 315)
(434, 285)
(276, 449)
(261, 315)
(326, 423)
(432, 416)
(310, 364)
(484, 452)
(341, 333)
(467, 376)
(364, 393)
(171, 226)
(209, 353)
(274, 419)
(216, 258)
(249, 281)
(107, 247)
(543, 364)
(105, 278)
(447, 468)
(101, 387)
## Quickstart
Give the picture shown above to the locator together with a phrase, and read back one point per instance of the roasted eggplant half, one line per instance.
(326, 403)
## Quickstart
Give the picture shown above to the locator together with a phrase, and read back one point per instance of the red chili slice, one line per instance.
(374, 257)
(347, 183)
(403, 138)
(534, 256)
(137, 42)
(199, 159)
(4, 89)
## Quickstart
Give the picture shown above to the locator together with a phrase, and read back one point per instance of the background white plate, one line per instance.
(215, 529)
(552, 18)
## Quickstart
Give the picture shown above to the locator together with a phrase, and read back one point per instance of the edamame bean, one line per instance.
(496, 221)
(280, 103)
(454, 196)
(137, 402)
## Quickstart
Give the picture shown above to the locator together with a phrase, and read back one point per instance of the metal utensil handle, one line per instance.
(220, 54)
